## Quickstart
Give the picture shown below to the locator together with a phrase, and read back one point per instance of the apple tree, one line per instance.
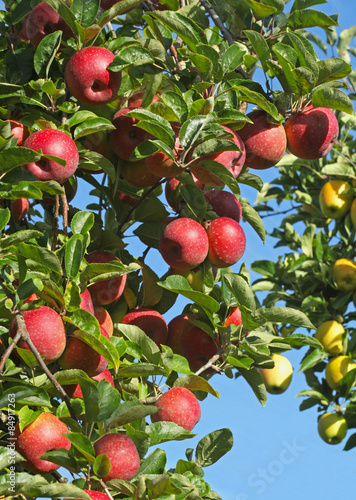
(127, 136)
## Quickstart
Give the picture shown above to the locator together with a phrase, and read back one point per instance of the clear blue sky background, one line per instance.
(277, 452)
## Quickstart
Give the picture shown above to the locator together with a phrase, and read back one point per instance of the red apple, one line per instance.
(232, 160)
(160, 164)
(42, 435)
(138, 174)
(265, 142)
(18, 131)
(126, 136)
(184, 244)
(46, 330)
(198, 347)
(86, 302)
(104, 319)
(227, 242)
(312, 133)
(74, 390)
(79, 355)
(106, 291)
(95, 495)
(224, 204)
(150, 321)
(127, 199)
(135, 100)
(234, 317)
(56, 143)
(99, 142)
(176, 329)
(43, 20)
(178, 405)
(20, 208)
(122, 454)
(88, 78)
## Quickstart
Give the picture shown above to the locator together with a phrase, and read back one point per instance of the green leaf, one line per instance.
(150, 210)
(302, 19)
(161, 432)
(92, 125)
(131, 56)
(101, 466)
(116, 10)
(251, 216)
(232, 59)
(82, 222)
(213, 446)
(9, 456)
(149, 348)
(176, 104)
(332, 98)
(286, 315)
(260, 46)
(83, 445)
(46, 52)
(62, 458)
(254, 379)
(155, 125)
(192, 129)
(85, 11)
(73, 255)
(333, 68)
(65, 13)
(41, 256)
(16, 156)
(255, 98)
(5, 215)
(195, 383)
(344, 39)
(185, 28)
(127, 412)
(240, 290)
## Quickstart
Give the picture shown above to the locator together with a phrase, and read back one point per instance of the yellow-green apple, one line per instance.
(43, 20)
(162, 165)
(126, 136)
(56, 143)
(20, 208)
(176, 328)
(42, 435)
(195, 277)
(150, 321)
(337, 368)
(94, 495)
(265, 142)
(224, 204)
(335, 199)
(106, 291)
(353, 213)
(232, 160)
(136, 99)
(311, 133)
(178, 405)
(138, 174)
(46, 330)
(18, 131)
(198, 347)
(184, 243)
(330, 335)
(79, 355)
(74, 390)
(104, 319)
(86, 302)
(122, 454)
(88, 78)
(227, 241)
(344, 274)
(332, 427)
(278, 378)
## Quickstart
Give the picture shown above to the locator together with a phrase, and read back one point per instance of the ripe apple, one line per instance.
(335, 199)
(198, 347)
(311, 133)
(56, 143)
(106, 291)
(344, 274)
(330, 335)
(150, 321)
(332, 428)
(88, 78)
(176, 329)
(126, 136)
(46, 330)
(160, 164)
(224, 204)
(138, 174)
(79, 355)
(178, 405)
(18, 131)
(127, 199)
(74, 390)
(95, 495)
(234, 317)
(19, 209)
(232, 160)
(42, 435)
(86, 302)
(43, 20)
(278, 378)
(337, 368)
(227, 242)
(104, 319)
(184, 244)
(135, 100)
(265, 142)
(122, 454)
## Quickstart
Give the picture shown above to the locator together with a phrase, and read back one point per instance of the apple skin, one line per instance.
(122, 453)
(224, 204)
(344, 274)
(42, 435)
(46, 330)
(234, 317)
(332, 428)
(74, 390)
(138, 174)
(150, 321)
(198, 347)
(79, 355)
(176, 329)
(335, 199)
(184, 244)
(278, 378)
(311, 133)
(43, 20)
(95, 495)
(57, 143)
(337, 368)
(227, 242)
(126, 136)
(104, 319)
(127, 199)
(160, 164)
(18, 131)
(86, 302)
(330, 334)
(106, 291)
(19, 209)
(88, 78)
(178, 405)
(265, 142)
(232, 160)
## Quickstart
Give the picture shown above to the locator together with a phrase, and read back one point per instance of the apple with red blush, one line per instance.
(180, 406)
(135, 101)
(106, 291)
(94, 495)
(227, 241)
(18, 131)
(198, 347)
(150, 321)
(122, 454)
(224, 204)
(126, 136)
(74, 390)
(43, 20)
(138, 174)
(86, 302)
(176, 329)
(162, 165)
(104, 319)
(19, 209)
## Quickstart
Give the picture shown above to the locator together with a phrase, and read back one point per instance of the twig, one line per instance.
(210, 364)
(65, 213)
(106, 489)
(9, 350)
(55, 223)
(111, 29)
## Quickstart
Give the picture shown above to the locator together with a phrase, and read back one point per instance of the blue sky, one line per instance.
(277, 452)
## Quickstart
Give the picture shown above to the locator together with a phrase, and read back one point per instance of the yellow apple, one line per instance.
(330, 335)
(353, 213)
(337, 368)
(344, 274)
(335, 199)
(278, 378)
(332, 428)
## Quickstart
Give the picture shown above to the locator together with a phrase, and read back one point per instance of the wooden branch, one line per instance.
(65, 213)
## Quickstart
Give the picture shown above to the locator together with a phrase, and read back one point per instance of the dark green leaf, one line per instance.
(85, 11)
(213, 446)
